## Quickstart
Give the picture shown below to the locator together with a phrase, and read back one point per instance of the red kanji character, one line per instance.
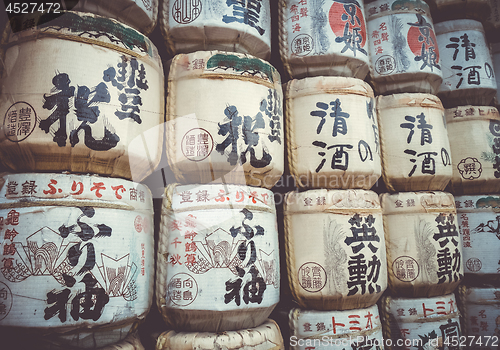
(7, 263)
(190, 259)
(98, 186)
(191, 247)
(175, 259)
(253, 195)
(383, 26)
(265, 196)
(175, 225)
(369, 322)
(190, 235)
(378, 50)
(74, 187)
(190, 221)
(452, 307)
(10, 234)
(481, 313)
(52, 189)
(354, 321)
(425, 310)
(240, 196)
(296, 28)
(441, 307)
(176, 241)
(303, 2)
(303, 12)
(118, 188)
(12, 218)
(385, 36)
(335, 325)
(294, 9)
(220, 197)
(9, 249)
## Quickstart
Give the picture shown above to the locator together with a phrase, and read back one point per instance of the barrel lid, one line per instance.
(379, 8)
(483, 296)
(223, 65)
(258, 337)
(217, 196)
(327, 85)
(409, 100)
(417, 203)
(458, 25)
(406, 310)
(466, 113)
(331, 201)
(49, 189)
(85, 28)
(479, 203)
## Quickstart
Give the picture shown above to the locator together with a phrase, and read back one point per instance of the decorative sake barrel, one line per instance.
(468, 77)
(237, 26)
(428, 323)
(404, 52)
(77, 256)
(460, 9)
(414, 141)
(91, 102)
(483, 317)
(360, 328)
(332, 133)
(140, 14)
(218, 257)
(335, 248)
(264, 337)
(323, 38)
(479, 222)
(225, 119)
(474, 132)
(424, 253)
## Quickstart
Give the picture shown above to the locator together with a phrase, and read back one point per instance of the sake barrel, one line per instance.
(225, 119)
(414, 142)
(483, 317)
(218, 257)
(424, 251)
(323, 38)
(140, 14)
(237, 26)
(332, 133)
(468, 76)
(472, 131)
(77, 255)
(91, 102)
(264, 337)
(461, 9)
(131, 342)
(478, 219)
(360, 328)
(428, 323)
(404, 55)
(335, 248)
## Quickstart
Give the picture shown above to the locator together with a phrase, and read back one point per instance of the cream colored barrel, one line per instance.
(462, 9)
(332, 133)
(91, 102)
(404, 52)
(468, 76)
(414, 142)
(478, 219)
(218, 257)
(236, 26)
(77, 255)
(424, 251)
(429, 323)
(335, 248)
(483, 317)
(88, 341)
(323, 38)
(225, 119)
(140, 14)
(312, 329)
(474, 132)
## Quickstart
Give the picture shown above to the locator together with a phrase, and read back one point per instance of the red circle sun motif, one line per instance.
(338, 23)
(416, 39)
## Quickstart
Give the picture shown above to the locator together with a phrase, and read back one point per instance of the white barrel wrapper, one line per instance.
(332, 133)
(237, 26)
(91, 102)
(414, 142)
(218, 258)
(225, 119)
(479, 219)
(76, 252)
(357, 328)
(266, 336)
(335, 248)
(430, 323)
(474, 132)
(323, 38)
(468, 76)
(483, 317)
(404, 52)
(424, 250)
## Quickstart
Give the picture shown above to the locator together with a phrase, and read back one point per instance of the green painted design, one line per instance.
(488, 202)
(410, 5)
(241, 64)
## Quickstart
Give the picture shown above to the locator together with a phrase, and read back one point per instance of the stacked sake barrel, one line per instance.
(82, 106)
(218, 272)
